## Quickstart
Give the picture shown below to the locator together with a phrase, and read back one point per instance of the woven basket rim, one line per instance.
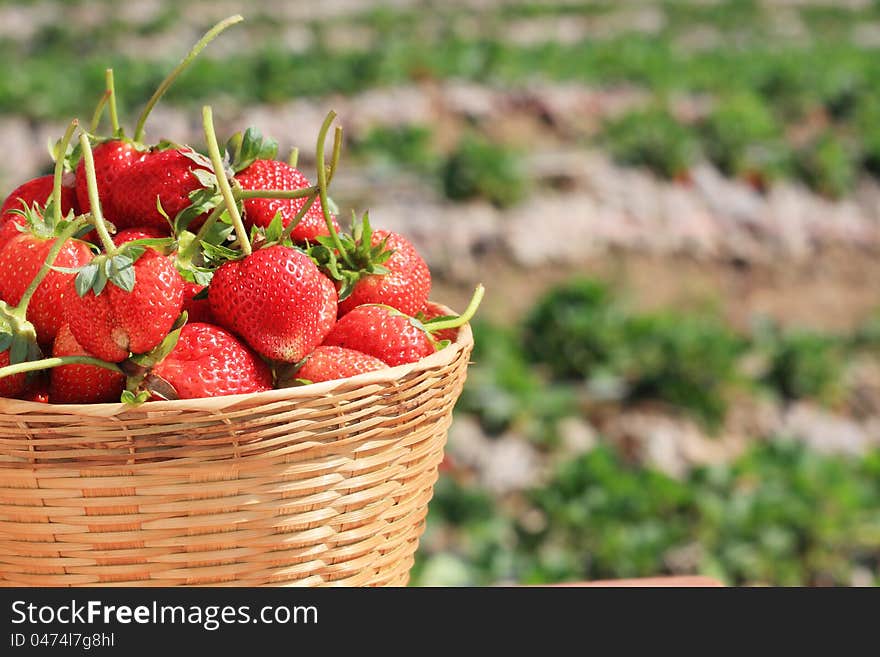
(383, 377)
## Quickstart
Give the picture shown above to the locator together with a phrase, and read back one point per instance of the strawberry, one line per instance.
(112, 158)
(37, 388)
(197, 310)
(391, 336)
(164, 175)
(35, 191)
(20, 260)
(328, 363)
(208, 361)
(38, 190)
(277, 300)
(115, 322)
(81, 384)
(272, 174)
(405, 286)
(139, 233)
(11, 386)
(382, 332)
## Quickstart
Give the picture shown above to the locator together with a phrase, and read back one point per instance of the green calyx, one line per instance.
(142, 384)
(243, 149)
(350, 258)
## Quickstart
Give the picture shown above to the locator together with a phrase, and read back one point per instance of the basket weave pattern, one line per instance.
(323, 484)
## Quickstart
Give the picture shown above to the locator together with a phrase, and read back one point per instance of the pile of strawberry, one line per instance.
(140, 272)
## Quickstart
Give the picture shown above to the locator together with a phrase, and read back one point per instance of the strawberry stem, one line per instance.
(223, 181)
(274, 193)
(59, 169)
(322, 185)
(111, 92)
(187, 254)
(48, 363)
(99, 112)
(60, 241)
(337, 151)
(288, 229)
(184, 63)
(94, 200)
(294, 157)
(462, 319)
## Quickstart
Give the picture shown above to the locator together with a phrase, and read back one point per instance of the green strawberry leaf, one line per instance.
(217, 252)
(198, 158)
(275, 228)
(86, 278)
(5, 341)
(206, 178)
(120, 271)
(132, 399)
(249, 147)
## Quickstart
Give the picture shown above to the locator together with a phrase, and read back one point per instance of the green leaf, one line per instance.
(86, 279)
(121, 272)
(100, 281)
(132, 399)
(219, 252)
(275, 228)
(206, 178)
(5, 341)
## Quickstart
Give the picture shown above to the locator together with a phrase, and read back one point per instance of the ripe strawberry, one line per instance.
(112, 158)
(381, 332)
(198, 310)
(208, 361)
(391, 336)
(20, 260)
(277, 300)
(139, 233)
(405, 287)
(166, 175)
(328, 363)
(11, 386)
(81, 384)
(37, 190)
(115, 322)
(272, 174)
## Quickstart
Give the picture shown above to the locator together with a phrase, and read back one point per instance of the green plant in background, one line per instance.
(687, 361)
(867, 125)
(828, 165)
(479, 168)
(743, 138)
(651, 138)
(804, 364)
(406, 145)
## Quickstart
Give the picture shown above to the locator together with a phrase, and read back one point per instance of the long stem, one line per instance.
(274, 193)
(44, 270)
(223, 181)
(48, 363)
(322, 188)
(293, 160)
(462, 319)
(111, 91)
(59, 169)
(94, 201)
(288, 229)
(337, 151)
(184, 63)
(99, 112)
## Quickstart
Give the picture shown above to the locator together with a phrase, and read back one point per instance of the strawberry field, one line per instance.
(674, 207)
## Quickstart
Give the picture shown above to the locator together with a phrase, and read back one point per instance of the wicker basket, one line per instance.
(322, 484)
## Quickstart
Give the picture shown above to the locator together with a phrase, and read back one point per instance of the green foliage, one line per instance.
(780, 515)
(406, 145)
(652, 138)
(828, 165)
(479, 168)
(742, 137)
(803, 364)
(578, 332)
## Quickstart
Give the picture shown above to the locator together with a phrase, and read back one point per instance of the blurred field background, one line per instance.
(675, 207)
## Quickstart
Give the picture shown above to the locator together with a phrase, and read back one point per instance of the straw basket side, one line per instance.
(325, 484)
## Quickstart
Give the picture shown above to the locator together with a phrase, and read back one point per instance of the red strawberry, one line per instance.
(406, 286)
(272, 174)
(20, 260)
(166, 175)
(277, 300)
(112, 158)
(198, 310)
(381, 332)
(116, 322)
(328, 363)
(11, 386)
(37, 190)
(81, 384)
(433, 311)
(391, 336)
(139, 233)
(208, 361)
